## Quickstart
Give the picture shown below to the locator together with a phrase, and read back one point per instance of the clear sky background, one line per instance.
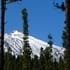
(43, 18)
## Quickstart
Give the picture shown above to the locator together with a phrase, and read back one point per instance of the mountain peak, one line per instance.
(14, 40)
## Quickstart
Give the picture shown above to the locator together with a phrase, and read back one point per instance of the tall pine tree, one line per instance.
(67, 13)
(67, 43)
(27, 50)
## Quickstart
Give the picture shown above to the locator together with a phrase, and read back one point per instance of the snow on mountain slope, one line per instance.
(14, 40)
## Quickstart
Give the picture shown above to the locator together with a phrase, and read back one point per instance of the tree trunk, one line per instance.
(67, 14)
(3, 6)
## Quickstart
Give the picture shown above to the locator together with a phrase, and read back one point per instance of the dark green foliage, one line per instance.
(50, 39)
(55, 64)
(26, 47)
(64, 36)
(47, 54)
(64, 39)
(42, 59)
(7, 61)
(19, 63)
(48, 58)
(26, 60)
(61, 64)
(35, 63)
(25, 23)
(66, 33)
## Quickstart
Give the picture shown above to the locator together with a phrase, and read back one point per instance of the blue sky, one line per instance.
(43, 18)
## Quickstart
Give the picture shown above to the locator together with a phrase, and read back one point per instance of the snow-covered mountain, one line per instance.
(14, 40)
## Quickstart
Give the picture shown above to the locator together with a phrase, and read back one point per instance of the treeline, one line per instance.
(44, 62)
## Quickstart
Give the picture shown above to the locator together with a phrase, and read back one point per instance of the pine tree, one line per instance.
(10, 60)
(3, 9)
(67, 12)
(48, 59)
(48, 55)
(35, 63)
(26, 47)
(55, 64)
(64, 38)
(13, 62)
(61, 64)
(67, 43)
(42, 59)
(7, 59)
(19, 62)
